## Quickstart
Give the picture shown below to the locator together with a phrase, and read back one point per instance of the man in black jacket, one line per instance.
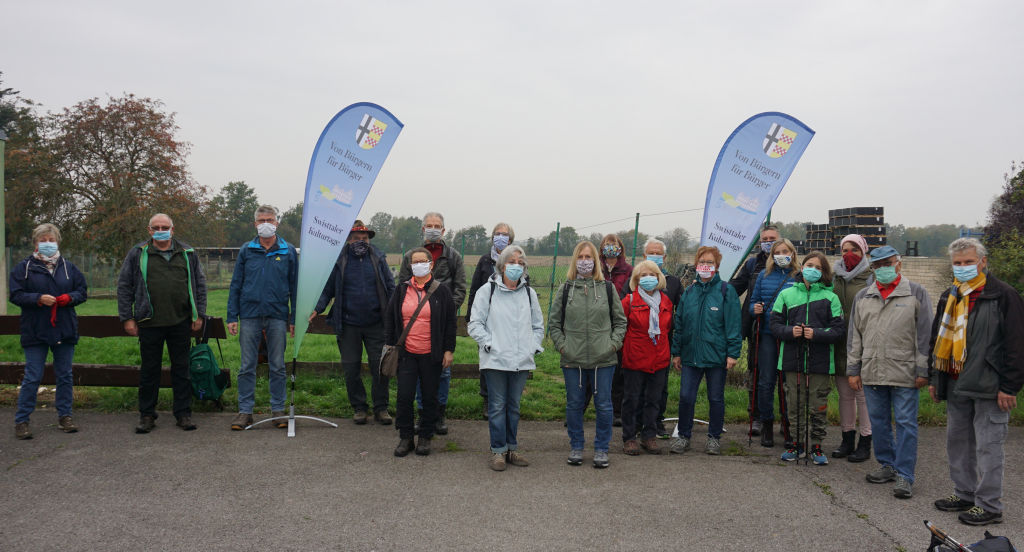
(977, 367)
(743, 282)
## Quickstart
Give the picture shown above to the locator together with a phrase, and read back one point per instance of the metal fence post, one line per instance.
(554, 265)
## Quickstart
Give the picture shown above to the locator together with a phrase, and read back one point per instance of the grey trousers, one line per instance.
(975, 433)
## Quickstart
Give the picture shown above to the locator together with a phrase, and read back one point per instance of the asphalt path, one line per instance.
(106, 488)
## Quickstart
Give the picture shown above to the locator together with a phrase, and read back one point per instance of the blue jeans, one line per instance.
(767, 376)
(883, 401)
(250, 331)
(689, 383)
(577, 381)
(442, 389)
(35, 363)
(504, 389)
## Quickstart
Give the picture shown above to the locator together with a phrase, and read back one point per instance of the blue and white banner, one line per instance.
(751, 170)
(345, 162)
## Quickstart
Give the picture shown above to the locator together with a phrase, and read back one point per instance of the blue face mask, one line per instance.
(47, 249)
(767, 246)
(885, 274)
(811, 274)
(648, 283)
(964, 273)
(500, 242)
(162, 235)
(657, 259)
(513, 271)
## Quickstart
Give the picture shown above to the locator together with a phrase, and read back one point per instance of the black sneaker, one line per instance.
(978, 516)
(953, 504)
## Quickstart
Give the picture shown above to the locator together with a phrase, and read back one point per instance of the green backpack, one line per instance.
(208, 382)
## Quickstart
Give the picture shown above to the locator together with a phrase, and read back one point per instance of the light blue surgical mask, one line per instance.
(811, 274)
(162, 235)
(500, 241)
(657, 259)
(966, 272)
(885, 274)
(513, 271)
(47, 248)
(648, 283)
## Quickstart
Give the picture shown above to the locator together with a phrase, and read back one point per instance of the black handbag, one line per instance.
(389, 356)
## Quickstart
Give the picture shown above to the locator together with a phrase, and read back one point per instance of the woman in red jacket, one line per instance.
(645, 356)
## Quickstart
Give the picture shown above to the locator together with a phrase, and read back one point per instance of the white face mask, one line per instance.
(420, 269)
(266, 230)
(783, 260)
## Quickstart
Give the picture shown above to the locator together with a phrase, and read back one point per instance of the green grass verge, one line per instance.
(543, 399)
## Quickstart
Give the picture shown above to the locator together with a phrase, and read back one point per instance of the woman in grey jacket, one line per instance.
(507, 324)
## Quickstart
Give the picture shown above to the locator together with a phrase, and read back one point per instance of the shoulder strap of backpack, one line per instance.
(610, 290)
(725, 290)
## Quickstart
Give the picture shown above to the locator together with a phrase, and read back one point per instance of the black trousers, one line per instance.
(151, 348)
(410, 369)
(641, 398)
(350, 345)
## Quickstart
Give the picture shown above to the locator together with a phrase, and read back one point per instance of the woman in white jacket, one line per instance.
(507, 324)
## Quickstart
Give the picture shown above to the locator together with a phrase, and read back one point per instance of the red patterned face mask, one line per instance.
(851, 259)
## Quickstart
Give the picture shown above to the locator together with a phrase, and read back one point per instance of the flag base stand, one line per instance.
(291, 417)
(675, 431)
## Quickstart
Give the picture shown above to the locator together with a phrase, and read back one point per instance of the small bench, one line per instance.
(96, 375)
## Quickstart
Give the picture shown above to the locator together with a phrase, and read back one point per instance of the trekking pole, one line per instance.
(946, 539)
(807, 400)
(798, 411)
(753, 394)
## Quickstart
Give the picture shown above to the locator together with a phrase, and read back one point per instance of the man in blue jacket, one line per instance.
(262, 295)
(361, 286)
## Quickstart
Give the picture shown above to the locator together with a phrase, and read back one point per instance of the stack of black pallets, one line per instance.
(866, 221)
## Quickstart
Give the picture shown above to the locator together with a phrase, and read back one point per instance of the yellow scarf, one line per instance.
(951, 343)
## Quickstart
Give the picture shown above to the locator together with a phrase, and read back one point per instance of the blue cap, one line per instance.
(884, 252)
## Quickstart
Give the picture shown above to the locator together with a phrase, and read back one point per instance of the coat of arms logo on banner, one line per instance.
(777, 141)
(369, 132)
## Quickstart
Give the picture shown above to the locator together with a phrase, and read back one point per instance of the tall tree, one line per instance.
(234, 207)
(1004, 233)
(291, 225)
(27, 163)
(110, 167)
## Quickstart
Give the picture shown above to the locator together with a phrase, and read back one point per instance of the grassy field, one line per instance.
(543, 399)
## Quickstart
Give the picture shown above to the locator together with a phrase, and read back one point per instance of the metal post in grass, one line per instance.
(636, 236)
(554, 265)
(3, 228)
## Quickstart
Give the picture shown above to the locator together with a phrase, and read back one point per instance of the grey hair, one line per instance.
(963, 244)
(267, 209)
(511, 232)
(507, 254)
(45, 229)
(433, 214)
(169, 219)
(655, 241)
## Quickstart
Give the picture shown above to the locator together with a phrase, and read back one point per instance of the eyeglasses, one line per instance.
(158, 228)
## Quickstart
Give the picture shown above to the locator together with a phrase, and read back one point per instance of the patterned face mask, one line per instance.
(611, 250)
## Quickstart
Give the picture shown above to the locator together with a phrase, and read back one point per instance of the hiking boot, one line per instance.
(767, 437)
(847, 446)
(904, 488)
(382, 417)
(575, 457)
(497, 462)
(146, 424)
(404, 447)
(679, 445)
(953, 504)
(631, 447)
(67, 425)
(791, 454)
(712, 446)
(651, 445)
(818, 456)
(423, 446)
(863, 451)
(359, 418)
(282, 419)
(241, 421)
(441, 427)
(978, 516)
(883, 474)
(21, 431)
(601, 459)
(185, 423)
(755, 428)
(513, 457)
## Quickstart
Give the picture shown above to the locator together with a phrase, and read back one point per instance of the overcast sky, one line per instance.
(581, 112)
